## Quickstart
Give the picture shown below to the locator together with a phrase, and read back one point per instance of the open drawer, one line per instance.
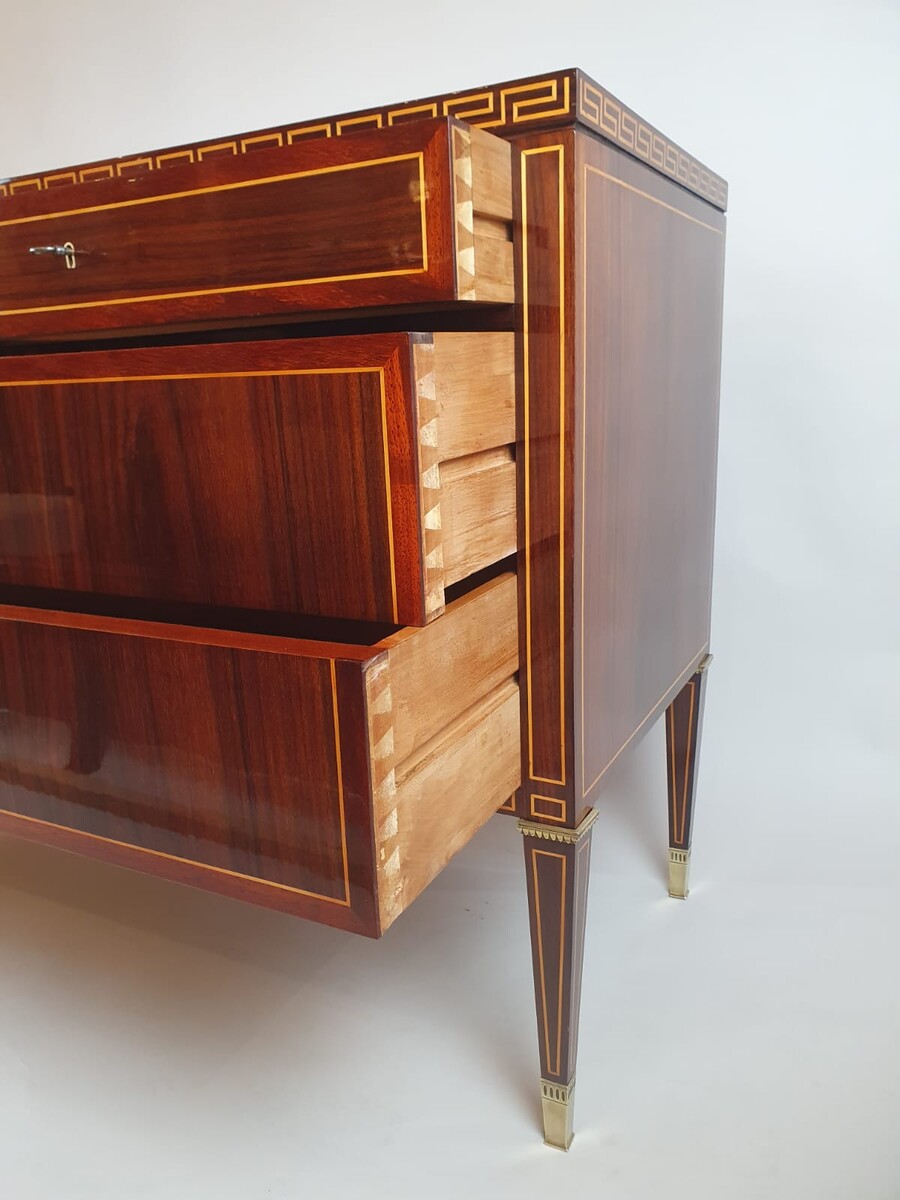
(413, 214)
(351, 477)
(326, 780)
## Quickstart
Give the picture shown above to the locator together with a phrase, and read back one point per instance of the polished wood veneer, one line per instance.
(351, 477)
(417, 214)
(331, 781)
(619, 375)
(197, 539)
(555, 99)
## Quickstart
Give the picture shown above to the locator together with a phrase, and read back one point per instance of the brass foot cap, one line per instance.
(679, 867)
(557, 1103)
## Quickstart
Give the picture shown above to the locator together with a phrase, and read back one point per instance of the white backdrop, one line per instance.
(157, 1042)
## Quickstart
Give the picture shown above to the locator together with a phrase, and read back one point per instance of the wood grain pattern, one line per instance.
(189, 760)
(557, 877)
(621, 280)
(443, 799)
(297, 476)
(261, 767)
(278, 233)
(475, 391)
(555, 98)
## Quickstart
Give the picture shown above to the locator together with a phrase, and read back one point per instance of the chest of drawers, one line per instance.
(357, 481)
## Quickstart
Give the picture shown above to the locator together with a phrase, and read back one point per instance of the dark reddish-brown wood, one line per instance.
(684, 728)
(279, 475)
(550, 100)
(546, 363)
(354, 222)
(240, 770)
(648, 319)
(557, 874)
(621, 303)
(619, 260)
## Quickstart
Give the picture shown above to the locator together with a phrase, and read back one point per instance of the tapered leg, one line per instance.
(684, 721)
(557, 866)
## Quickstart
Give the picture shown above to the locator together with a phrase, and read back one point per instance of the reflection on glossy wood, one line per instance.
(281, 476)
(557, 870)
(684, 728)
(619, 367)
(272, 769)
(651, 265)
(192, 753)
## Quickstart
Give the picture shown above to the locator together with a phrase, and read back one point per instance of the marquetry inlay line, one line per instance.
(429, 477)
(175, 156)
(133, 164)
(673, 774)
(415, 110)
(54, 382)
(370, 121)
(542, 816)
(589, 171)
(559, 151)
(627, 130)
(386, 451)
(679, 814)
(582, 876)
(517, 103)
(464, 211)
(364, 370)
(339, 766)
(545, 1012)
(549, 833)
(421, 198)
(142, 851)
(221, 148)
(237, 185)
(629, 187)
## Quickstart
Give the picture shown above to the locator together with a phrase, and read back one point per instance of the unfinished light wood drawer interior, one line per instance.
(328, 780)
(417, 214)
(350, 477)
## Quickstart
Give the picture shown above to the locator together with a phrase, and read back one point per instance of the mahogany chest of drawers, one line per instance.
(357, 480)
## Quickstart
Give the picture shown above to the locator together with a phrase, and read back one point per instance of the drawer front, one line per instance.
(408, 215)
(300, 477)
(275, 770)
